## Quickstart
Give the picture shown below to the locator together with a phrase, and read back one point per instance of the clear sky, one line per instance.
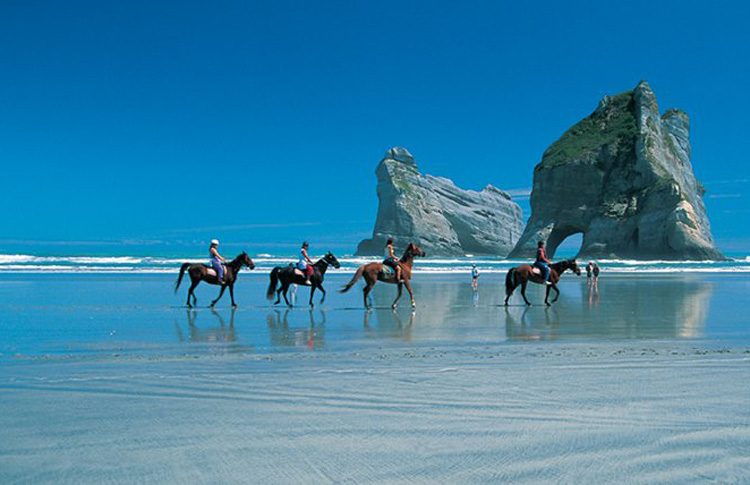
(263, 121)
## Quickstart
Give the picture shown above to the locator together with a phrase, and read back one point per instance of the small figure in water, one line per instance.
(391, 259)
(589, 269)
(542, 262)
(595, 271)
(217, 261)
(474, 277)
(305, 263)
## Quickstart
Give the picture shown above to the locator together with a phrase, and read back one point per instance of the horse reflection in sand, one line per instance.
(281, 334)
(222, 334)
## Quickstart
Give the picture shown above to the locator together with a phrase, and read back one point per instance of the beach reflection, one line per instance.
(450, 312)
(222, 333)
(621, 308)
(607, 308)
(282, 334)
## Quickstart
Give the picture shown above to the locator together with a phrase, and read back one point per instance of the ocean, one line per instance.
(123, 263)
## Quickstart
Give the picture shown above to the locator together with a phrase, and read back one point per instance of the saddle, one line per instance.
(296, 270)
(386, 273)
(212, 272)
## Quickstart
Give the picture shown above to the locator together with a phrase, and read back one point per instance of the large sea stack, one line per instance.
(441, 218)
(622, 177)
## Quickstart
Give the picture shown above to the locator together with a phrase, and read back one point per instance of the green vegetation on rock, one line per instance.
(612, 123)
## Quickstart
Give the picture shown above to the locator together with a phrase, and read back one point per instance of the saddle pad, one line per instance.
(211, 272)
(536, 270)
(387, 271)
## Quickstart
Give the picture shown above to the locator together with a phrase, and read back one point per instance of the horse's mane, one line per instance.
(408, 251)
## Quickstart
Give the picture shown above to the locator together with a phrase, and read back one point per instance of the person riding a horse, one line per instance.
(391, 260)
(542, 262)
(217, 260)
(305, 263)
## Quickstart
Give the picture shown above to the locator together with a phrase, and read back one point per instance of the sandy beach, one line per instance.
(102, 382)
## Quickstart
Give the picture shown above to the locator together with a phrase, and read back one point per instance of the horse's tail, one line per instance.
(184, 267)
(510, 281)
(357, 276)
(274, 281)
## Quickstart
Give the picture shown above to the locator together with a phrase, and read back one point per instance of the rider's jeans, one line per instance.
(216, 265)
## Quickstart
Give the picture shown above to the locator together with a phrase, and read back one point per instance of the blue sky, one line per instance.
(173, 122)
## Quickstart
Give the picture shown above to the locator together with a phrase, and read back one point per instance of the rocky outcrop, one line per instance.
(622, 177)
(441, 218)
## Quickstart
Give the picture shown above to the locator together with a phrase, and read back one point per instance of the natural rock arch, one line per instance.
(623, 177)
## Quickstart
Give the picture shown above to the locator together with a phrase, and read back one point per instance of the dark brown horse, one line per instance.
(373, 273)
(202, 272)
(521, 275)
(287, 275)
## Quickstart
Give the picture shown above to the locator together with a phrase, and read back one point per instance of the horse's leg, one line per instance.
(322, 298)
(546, 295)
(366, 293)
(278, 293)
(523, 293)
(231, 295)
(557, 292)
(284, 288)
(193, 284)
(312, 292)
(407, 282)
(223, 287)
(398, 297)
(507, 297)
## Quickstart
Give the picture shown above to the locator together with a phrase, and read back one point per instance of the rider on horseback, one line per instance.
(217, 260)
(305, 263)
(542, 262)
(391, 259)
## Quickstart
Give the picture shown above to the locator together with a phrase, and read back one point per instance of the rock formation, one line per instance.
(622, 177)
(438, 216)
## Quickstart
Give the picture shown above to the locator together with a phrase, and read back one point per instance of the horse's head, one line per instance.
(331, 259)
(415, 250)
(573, 264)
(246, 261)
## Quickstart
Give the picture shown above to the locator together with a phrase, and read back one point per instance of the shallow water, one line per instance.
(107, 378)
(91, 314)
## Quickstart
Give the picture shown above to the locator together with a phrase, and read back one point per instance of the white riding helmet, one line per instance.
(214, 242)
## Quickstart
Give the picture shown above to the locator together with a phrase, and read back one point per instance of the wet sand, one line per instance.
(107, 378)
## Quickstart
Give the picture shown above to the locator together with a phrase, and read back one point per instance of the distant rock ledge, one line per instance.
(623, 177)
(438, 216)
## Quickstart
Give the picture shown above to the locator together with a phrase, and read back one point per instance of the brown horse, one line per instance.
(373, 273)
(521, 275)
(202, 272)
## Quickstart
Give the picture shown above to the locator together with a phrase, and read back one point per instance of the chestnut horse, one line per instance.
(373, 272)
(200, 272)
(521, 275)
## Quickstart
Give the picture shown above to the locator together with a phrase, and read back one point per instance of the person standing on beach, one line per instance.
(217, 261)
(305, 263)
(391, 259)
(474, 277)
(595, 271)
(589, 268)
(542, 262)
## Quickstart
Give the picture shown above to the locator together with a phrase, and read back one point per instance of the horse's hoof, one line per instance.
(234, 306)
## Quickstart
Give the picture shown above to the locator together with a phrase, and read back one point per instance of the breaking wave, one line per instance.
(27, 263)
